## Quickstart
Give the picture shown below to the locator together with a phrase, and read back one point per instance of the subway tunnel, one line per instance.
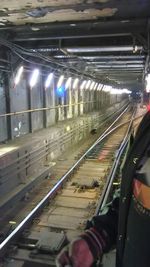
(72, 73)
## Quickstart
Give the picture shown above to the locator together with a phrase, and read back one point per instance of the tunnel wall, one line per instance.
(24, 158)
(26, 110)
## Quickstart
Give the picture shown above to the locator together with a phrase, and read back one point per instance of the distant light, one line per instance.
(68, 83)
(34, 78)
(135, 49)
(126, 91)
(148, 88)
(100, 86)
(75, 83)
(92, 85)
(68, 128)
(18, 75)
(48, 80)
(60, 81)
(88, 84)
(60, 91)
(147, 78)
(83, 84)
(107, 88)
(95, 86)
(35, 28)
(116, 91)
(72, 24)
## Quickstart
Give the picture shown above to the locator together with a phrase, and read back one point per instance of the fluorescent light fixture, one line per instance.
(100, 86)
(60, 81)
(83, 84)
(18, 75)
(107, 88)
(147, 78)
(34, 77)
(126, 91)
(48, 80)
(75, 83)
(92, 85)
(116, 91)
(95, 86)
(103, 49)
(148, 88)
(88, 84)
(68, 83)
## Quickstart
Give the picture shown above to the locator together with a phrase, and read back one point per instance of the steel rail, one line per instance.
(28, 219)
(111, 176)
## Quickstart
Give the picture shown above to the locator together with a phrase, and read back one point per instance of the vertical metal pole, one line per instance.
(8, 108)
(44, 104)
(29, 107)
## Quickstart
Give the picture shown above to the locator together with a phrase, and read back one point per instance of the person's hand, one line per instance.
(76, 254)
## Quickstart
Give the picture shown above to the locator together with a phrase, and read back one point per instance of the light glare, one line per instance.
(75, 83)
(92, 85)
(60, 81)
(68, 83)
(88, 84)
(83, 85)
(18, 75)
(34, 78)
(48, 80)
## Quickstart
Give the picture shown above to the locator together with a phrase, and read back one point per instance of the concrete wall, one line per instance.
(3, 120)
(31, 103)
(24, 157)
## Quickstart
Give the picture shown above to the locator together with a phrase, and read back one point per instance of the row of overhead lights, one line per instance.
(86, 84)
(115, 91)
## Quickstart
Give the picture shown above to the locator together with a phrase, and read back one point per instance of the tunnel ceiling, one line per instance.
(104, 39)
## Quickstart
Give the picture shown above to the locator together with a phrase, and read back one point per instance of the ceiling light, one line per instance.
(147, 78)
(101, 49)
(34, 77)
(83, 84)
(33, 28)
(135, 49)
(48, 80)
(107, 88)
(75, 83)
(116, 91)
(95, 86)
(68, 83)
(126, 91)
(18, 75)
(60, 81)
(92, 85)
(88, 84)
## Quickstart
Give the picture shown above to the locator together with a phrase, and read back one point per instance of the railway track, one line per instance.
(68, 205)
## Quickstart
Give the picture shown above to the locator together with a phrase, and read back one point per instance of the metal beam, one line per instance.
(108, 57)
(74, 30)
(102, 49)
